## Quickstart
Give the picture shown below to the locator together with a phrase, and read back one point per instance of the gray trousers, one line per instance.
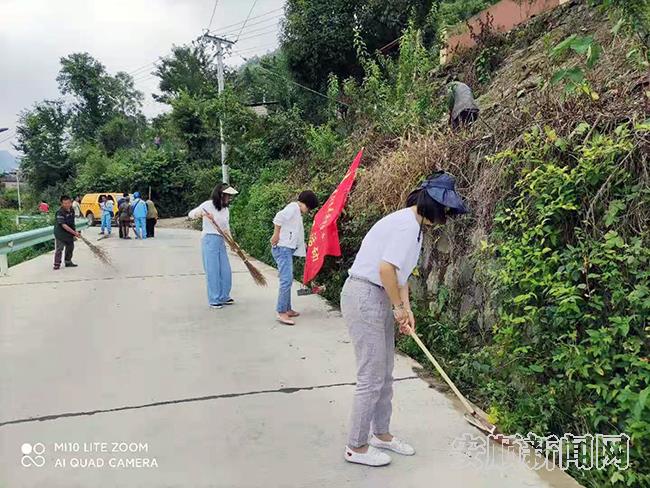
(368, 315)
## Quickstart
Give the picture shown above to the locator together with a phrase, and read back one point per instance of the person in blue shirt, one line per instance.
(108, 208)
(139, 212)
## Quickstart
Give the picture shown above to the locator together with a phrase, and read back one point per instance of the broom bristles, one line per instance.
(255, 273)
(99, 253)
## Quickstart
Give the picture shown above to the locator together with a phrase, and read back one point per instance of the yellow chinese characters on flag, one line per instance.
(324, 236)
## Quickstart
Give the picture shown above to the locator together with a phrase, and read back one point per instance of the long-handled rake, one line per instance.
(472, 416)
(256, 274)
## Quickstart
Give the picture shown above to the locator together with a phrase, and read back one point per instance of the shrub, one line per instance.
(253, 212)
(571, 280)
(9, 198)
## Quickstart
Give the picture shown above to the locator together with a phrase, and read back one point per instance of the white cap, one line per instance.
(230, 191)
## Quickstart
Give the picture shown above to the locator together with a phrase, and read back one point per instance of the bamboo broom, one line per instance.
(472, 416)
(99, 253)
(256, 274)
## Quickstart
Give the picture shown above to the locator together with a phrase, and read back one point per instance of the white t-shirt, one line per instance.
(222, 217)
(393, 239)
(107, 206)
(292, 229)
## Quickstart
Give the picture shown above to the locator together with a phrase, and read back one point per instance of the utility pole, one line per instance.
(18, 188)
(221, 45)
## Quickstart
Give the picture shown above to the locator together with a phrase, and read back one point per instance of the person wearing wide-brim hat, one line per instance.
(218, 273)
(374, 298)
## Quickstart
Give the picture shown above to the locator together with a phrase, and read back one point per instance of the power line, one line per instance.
(135, 72)
(298, 84)
(214, 9)
(8, 134)
(251, 24)
(237, 24)
(256, 29)
(142, 75)
(7, 138)
(261, 30)
(272, 31)
(143, 67)
(247, 17)
(146, 78)
(248, 49)
(264, 30)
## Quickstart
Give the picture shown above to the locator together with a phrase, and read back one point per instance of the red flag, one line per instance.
(324, 237)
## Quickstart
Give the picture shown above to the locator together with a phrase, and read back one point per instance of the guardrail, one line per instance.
(31, 218)
(23, 240)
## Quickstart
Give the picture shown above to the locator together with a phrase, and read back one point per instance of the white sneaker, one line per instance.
(372, 457)
(395, 445)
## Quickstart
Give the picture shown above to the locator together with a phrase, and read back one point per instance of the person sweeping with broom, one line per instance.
(216, 224)
(65, 233)
(374, 298)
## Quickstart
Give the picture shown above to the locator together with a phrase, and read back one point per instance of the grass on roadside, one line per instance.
(8, 226)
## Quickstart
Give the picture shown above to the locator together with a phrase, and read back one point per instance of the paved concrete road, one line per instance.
(213, 398)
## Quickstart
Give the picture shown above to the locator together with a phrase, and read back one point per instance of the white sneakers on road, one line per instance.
(374, 457)
(395, 445)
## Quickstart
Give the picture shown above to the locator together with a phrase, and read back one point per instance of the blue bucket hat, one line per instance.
(136, 194)
(441, 187)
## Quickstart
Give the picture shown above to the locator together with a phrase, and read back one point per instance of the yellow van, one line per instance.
(90, 206)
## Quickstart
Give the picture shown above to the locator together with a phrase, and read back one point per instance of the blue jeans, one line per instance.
(218, 273)
(140, 227)
(284, 258)
(106, 222)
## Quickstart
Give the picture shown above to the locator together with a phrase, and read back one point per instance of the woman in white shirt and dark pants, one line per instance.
(218, 273)
(374, 298)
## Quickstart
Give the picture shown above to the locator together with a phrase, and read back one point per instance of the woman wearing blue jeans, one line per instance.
(288, 241)
(218, 274)
(106, 204)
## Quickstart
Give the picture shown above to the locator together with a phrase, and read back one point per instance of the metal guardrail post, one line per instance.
(23, 240)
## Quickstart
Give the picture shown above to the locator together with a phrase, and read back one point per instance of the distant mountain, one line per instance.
(7, 162)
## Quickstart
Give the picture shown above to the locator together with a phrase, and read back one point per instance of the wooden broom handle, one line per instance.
(228, 238)
(460, 396)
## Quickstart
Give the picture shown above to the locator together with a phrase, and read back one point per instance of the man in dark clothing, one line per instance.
(64, 233)
(125, 196)
(463, 110)
(124, 217)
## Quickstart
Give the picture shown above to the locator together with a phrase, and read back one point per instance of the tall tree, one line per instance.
(98, 97)
(122, 96)
(266, 78)
(318, 37)
(42, 138)
(188, 69)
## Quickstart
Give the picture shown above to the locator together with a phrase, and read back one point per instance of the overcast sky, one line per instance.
(125, 35)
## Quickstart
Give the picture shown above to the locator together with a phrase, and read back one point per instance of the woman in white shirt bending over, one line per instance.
(218, 273)
(374, 298)
(288, 241)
